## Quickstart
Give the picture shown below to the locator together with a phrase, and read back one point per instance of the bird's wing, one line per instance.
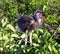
(24, 22)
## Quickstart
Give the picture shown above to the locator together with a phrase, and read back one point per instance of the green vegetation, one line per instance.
(10, 38)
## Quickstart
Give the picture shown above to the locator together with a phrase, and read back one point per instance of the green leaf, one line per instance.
(23, 35)
(6, 38)
(35, 44)
(1, 49)
(44, 7)
(4, 21)
(40, 30)
(55, 50)
(49, 47)
(14, 35)
(35, 36)
(58, 30)
(0, 34)
(9, 26)
(0, 38)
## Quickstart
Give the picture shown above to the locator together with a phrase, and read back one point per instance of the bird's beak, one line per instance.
(42, 17)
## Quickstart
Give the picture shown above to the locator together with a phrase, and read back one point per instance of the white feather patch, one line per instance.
(38, 18)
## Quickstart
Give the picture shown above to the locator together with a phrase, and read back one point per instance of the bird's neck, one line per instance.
(37, 19)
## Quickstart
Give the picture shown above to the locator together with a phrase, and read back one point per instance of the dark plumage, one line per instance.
(29, 23)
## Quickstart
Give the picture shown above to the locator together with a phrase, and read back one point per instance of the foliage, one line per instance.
(10, 38)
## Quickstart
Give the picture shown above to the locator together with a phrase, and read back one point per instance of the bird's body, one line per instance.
(29, 23)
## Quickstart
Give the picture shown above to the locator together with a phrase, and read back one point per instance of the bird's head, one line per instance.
(39, 15)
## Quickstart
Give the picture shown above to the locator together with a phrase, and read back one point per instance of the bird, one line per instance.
(28, 23)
